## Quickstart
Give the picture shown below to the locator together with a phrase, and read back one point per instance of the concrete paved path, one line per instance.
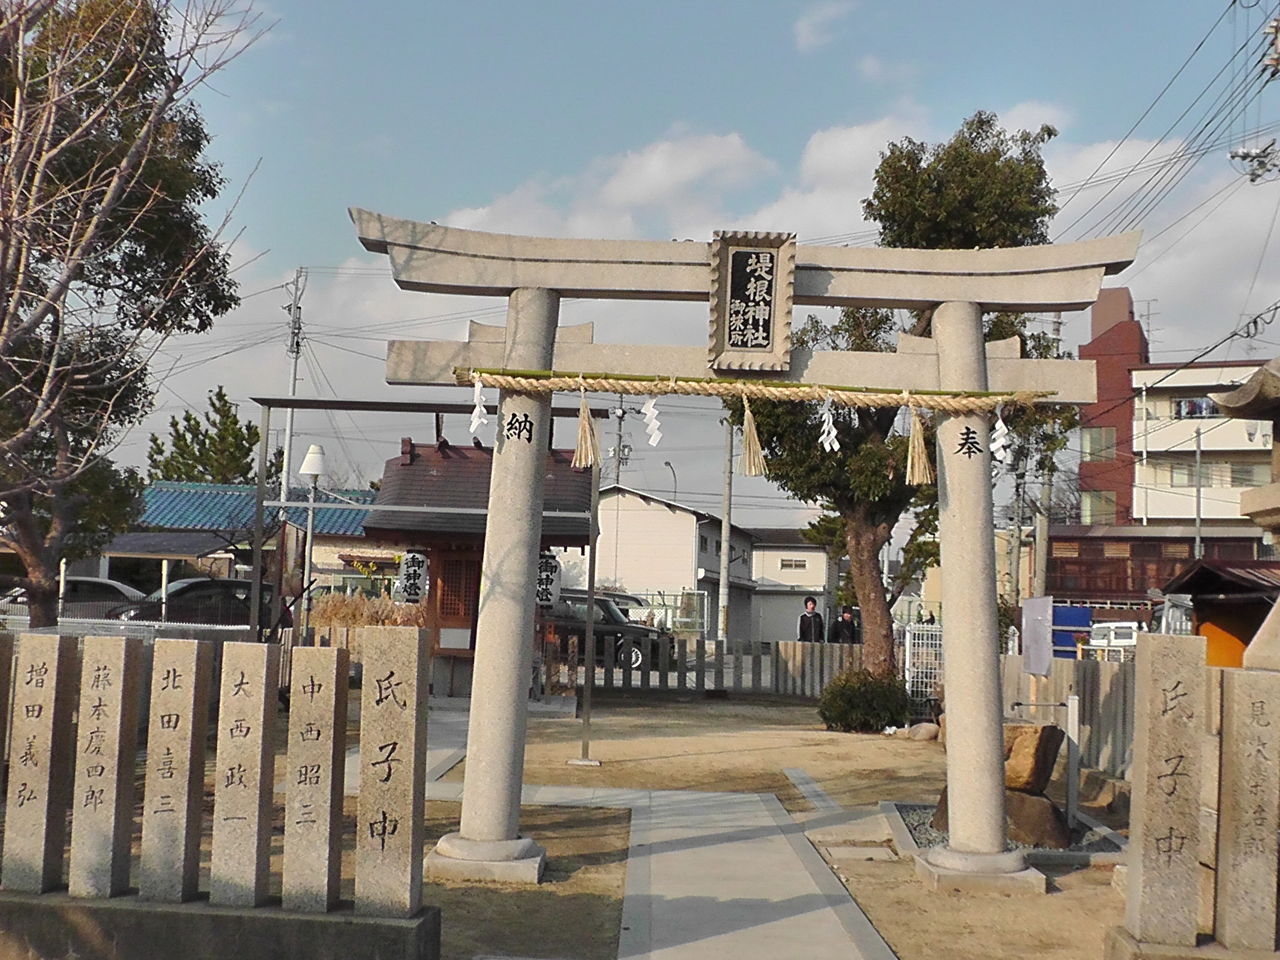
(709, 875)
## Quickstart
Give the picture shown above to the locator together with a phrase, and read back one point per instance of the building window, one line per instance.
(1194, 408)
(1098, 506)
(1184, 474)
(717, 548)
(1066, 549)
(793, 563)
(702, 544)
(1098, 443)
(1177, 551)
(1115, 551)
(1250, 475)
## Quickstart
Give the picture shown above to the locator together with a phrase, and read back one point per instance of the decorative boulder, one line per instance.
(1035, 821)
(923, 731)
(1028, 765)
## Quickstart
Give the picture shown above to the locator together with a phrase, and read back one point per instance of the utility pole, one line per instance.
(1040, 581)
(1015, 538)
(1199, 551)
(620, 412)
(726, 528)
(294, 350)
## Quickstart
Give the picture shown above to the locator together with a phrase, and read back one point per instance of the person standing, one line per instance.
(811, 628)
(845, 628)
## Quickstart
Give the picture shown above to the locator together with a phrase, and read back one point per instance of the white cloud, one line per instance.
(653, 175)
(813, 28)
(1030, 114)
(877, 70)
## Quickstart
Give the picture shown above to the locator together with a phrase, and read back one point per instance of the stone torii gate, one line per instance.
(752, 281)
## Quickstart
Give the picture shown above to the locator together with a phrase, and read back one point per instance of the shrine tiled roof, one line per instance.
(456, 480)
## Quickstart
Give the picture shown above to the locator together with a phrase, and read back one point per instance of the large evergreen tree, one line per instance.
(982, 188)
(218, 448)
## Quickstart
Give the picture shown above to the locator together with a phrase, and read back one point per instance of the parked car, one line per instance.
(569, 615)
(201, 600)
(83, 598)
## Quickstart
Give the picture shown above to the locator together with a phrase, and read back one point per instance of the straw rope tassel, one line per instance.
(587, 451)
(752, 456)
(919, 473)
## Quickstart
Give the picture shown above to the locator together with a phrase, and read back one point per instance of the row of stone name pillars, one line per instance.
(1205, 815)
(74, 732)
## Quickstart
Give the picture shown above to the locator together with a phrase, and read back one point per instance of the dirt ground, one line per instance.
(731, 746)
(1068, 924)
(696, 744)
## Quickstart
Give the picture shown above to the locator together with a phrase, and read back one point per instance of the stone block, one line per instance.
(1036, 820)
(173, 794)
(1032, 819)
(864, 828)
(525, 870)
(314, 771)
(40, 759)
(106, 751)
(239, 864)
(1164, 842)
(1249, 812)
(1029, 881)
(53, 926)
(923, 731)
(1030, 758)
(393, 748)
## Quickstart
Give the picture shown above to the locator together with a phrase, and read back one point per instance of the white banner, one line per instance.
(548, 588)
(413, 576)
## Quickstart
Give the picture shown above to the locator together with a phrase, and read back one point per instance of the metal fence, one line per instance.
(921, 659)
(680, 612)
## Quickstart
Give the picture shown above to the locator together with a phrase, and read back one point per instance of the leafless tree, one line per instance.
(104, 252)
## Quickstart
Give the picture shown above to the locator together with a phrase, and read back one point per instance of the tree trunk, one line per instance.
(868, 584)
(42, 599)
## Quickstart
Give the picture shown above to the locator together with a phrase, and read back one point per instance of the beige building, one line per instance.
(787, 568)
(650, 545)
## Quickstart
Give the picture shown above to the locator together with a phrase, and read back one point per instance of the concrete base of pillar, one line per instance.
(1119, 945)
(943, 880)
(960, 861)
(525, 870)
(53, 926)
(508, 861)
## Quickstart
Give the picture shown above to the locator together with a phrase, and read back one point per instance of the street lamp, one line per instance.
(312, 468)
(667, 464)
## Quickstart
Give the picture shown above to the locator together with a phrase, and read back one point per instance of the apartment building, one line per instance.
(1143, 502)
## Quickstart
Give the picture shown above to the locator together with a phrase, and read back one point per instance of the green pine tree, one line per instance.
(217, 447)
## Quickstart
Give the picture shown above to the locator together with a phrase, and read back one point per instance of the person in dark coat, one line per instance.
(811, 628)
(845, 628)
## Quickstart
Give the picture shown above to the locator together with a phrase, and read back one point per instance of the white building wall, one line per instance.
(645, 546)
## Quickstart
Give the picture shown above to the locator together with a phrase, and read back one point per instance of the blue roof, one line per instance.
(179, 505)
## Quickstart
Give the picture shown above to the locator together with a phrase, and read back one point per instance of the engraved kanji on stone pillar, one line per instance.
(314, 778)
(393, 758)
(242, 777)
(1169, 725)
(173, 796)
(39, 763)
(106, 749)
(1248, 811)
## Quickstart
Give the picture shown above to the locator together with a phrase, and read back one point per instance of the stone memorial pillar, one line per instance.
(393, 763)
(243, 777)
(106, 751)
(173, 793)
(975, 754)
(489, 830)
(1249, 811)
(39, 763)
(7, 649)
(316, 755)
(1164, 828)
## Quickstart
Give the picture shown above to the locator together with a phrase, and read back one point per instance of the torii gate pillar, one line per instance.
(535, 272)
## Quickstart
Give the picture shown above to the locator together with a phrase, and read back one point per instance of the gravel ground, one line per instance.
(917, 816)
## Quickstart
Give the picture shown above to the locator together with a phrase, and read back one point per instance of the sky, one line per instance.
(664, 120)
